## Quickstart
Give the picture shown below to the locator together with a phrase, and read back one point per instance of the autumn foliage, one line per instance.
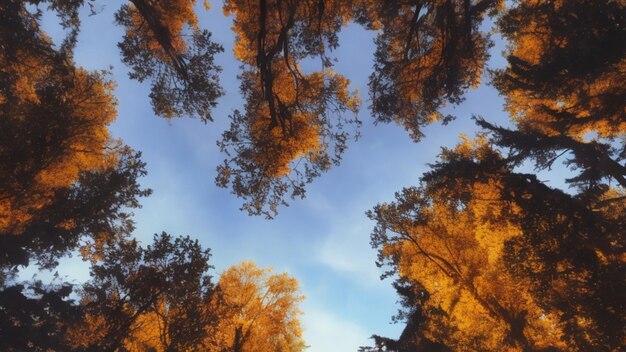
(507, 262)
(486, 255)
(294, 126)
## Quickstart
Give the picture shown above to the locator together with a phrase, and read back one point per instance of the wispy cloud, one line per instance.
(325, 332)
(346, 250)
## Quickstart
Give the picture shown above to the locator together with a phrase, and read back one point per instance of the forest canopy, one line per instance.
(485, 256)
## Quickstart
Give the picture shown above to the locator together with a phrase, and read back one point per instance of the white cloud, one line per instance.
(325, 332)
(347, 250)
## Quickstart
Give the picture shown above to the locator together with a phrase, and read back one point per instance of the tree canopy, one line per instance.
(486, 255)
(257, 310)
(67, 187)
(476, 227)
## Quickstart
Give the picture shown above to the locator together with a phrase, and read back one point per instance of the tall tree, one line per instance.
(297, 121)
(86, 216)
(164, 43)
(53, 121)
(65, 184)
(564, 91)
(294, 126)
(428, 53)
(564, 87)
(166, 285)
(62, 178)
(257, 311)
(449, 235)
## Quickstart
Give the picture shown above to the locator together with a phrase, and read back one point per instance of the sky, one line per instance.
(323, 240)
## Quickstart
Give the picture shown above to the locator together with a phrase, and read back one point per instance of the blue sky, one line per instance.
(322, 240)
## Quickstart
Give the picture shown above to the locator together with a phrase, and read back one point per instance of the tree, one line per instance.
(163, 42)
(294, 124)
(65, 184)
(67, 187)
(492, 258)
(160, 298)
(165, 285)
(449, 235)
(428, 53)
(565, 94)
(565, 84)
(257, 311)
(86, 216)
(54, 118)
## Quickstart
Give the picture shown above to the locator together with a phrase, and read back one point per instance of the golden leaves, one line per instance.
(59, 127)
(555, 83)
(450, 237)
(257, 310)
(295, 123)
(171, 15)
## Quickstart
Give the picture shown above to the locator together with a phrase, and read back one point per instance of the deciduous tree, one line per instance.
(257, 311)
(295, 123)
(164, 287)
(53, 121)
(557, 255)
(428, 53)
(164, 43)
(449, 235)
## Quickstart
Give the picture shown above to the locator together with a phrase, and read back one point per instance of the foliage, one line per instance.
(257, 311)
(66, 187)
(294, 124)
(428, 53)
(488, 257)
(163, 42)
(40, 154)
(38, 320)
(63, 179)
(165, 284)
(297, 122)
(513, 263)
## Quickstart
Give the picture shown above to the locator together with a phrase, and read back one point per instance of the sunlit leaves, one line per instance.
(428, 54)
(566, 66)
(533, 258)
(565, 88)
(164, 43)
(559, 252)
(53, 131)
(449, 234)
(54, 125)
(269, 161)
(295, 124)
(161, 297)
(257, 311)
